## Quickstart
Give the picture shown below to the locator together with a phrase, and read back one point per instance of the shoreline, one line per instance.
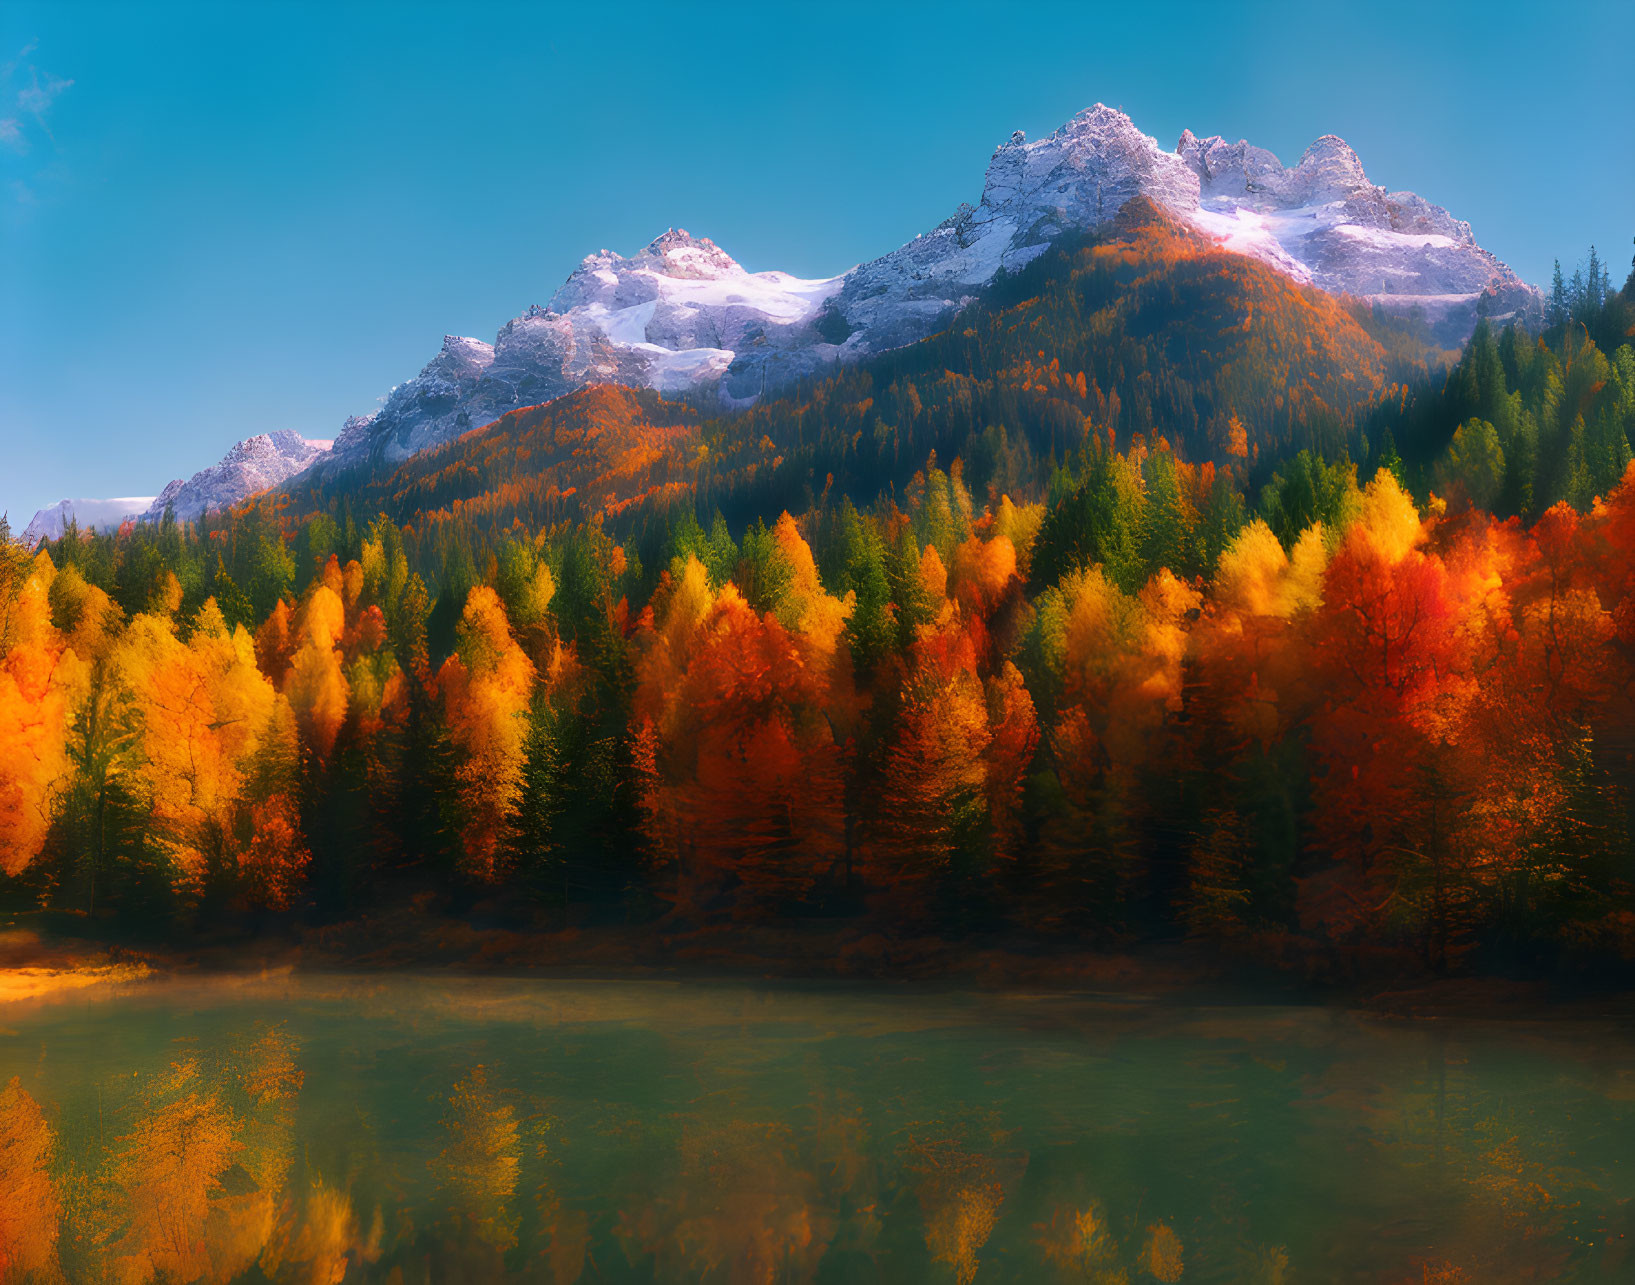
(36, 965)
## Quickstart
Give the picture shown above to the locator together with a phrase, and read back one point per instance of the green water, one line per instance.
(416, 1130)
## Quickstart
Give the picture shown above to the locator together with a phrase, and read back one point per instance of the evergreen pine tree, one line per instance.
(532, 842)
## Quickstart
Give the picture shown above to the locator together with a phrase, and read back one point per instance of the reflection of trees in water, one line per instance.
(1081, 1245)
(227, 1162)
(562, 1232)
(163, 1183)
(1498, 1179)
(1162, 1256)
(185, 1174)
(960, 1178)
(319, 1238)
(29, 1208)
(737, 1202)
(477, 1168)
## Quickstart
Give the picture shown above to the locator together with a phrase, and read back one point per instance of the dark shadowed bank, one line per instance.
(42, 954)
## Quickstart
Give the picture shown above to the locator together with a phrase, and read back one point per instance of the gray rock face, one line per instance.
(253, 465)
(682, 316)
(437, 404)
(1323, 222)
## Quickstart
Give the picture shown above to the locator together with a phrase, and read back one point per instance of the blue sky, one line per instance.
(221, 220)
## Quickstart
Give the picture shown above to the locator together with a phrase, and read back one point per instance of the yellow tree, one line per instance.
(478, 1166)
(315, 684)
(486, 687)
(41, 683)
(207, 717)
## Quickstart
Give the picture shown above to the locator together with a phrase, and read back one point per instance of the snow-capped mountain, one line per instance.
(1323, 222)
(99, 515)
(675, 317)
(681, 315)
(252, 465)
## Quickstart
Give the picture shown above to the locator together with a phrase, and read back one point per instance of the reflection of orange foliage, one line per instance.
(1079, 1242)
(326, 1242)
(29, 1208)
(480, 1159)
(270, 1080)
(1162, 1254)
(744, 1212)
(164, 1174)
(960, 1193)
(568, 1232)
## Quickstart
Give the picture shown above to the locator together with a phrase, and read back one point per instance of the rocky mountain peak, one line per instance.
(676, 253)
(251, 465)
(1332, 169)
(680, 314)
(1087, 169)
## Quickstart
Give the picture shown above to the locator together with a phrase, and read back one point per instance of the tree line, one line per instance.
(1096, 686)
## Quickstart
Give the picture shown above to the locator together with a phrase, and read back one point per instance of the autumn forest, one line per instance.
(1159, 598)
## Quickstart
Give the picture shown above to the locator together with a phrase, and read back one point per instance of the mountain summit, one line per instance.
(252, 465)
(675, 316)
(681, 315)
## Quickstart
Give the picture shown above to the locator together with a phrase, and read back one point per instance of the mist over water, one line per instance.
(400, 1129)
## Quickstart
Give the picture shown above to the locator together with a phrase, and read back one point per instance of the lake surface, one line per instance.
(407, 1129)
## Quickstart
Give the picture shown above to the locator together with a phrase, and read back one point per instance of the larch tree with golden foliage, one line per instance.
(487, 686)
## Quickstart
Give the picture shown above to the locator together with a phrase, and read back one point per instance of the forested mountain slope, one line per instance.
(1113, 612)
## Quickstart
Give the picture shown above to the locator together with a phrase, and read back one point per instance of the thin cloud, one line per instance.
(36, 99)
(11, 67)
(26, 107)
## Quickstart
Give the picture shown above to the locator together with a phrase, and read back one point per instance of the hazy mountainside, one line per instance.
(1149, 329)
(251, 466)
(50, 522)
(681, 315)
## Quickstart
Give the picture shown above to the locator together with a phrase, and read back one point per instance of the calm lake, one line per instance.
(410, 1129)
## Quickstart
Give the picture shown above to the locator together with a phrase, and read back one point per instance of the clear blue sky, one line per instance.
(225, 219)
